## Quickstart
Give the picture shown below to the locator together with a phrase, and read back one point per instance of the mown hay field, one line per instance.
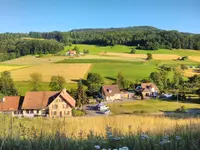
(33, 60)
(144, 56)
(68, 71)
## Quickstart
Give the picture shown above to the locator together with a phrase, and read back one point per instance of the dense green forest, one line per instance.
(13, 45)
(144, 37)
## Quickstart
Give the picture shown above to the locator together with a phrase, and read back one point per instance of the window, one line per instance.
(55, 106)
(67, 113)
(65, 106)
(31, 111)
(53, 113)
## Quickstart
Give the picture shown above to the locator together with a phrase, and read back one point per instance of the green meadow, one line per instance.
(93, 49)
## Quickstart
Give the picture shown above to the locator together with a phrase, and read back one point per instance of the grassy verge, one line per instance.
(148, 106)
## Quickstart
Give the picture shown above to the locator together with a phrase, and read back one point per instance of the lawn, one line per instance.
(23, 87)
(148, 106)
(131, 71)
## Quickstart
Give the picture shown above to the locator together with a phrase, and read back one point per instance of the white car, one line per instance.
(103, 108)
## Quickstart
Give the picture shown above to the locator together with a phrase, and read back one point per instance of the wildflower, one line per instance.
(166, 137)
(178, 138)
(124, 148)
(144, 136)
(116, 138)
(97, 147)
(163, 142)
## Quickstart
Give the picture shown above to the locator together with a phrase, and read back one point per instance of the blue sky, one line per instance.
(64, 15)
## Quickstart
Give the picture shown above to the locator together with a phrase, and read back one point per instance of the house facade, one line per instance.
(71, 53)
(110, 92)
(10, 105)
(39, 103)
(48, 103)
(148, 89)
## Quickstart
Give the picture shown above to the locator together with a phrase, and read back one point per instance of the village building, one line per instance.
(48, 103)
(148, 89)
(127, 94)
(11, 105)
(110, 92)
(71, 53)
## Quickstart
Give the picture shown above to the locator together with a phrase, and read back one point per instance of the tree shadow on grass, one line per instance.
(112, 79)
(84, 82)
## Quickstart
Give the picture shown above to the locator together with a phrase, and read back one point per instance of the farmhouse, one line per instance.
(10, 105)
(148, 89)
(71, 53)
(110, 92)
(48, 103)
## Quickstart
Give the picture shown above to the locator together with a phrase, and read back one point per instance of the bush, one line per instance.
(184, 58)
(182, 109)
(77, 112)
(149, 56)
(133, 51)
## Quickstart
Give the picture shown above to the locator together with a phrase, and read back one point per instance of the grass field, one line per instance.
(68, 71)
(24, 86)
(148, 106)
(126, 49)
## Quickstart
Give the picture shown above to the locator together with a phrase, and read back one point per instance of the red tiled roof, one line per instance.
(41, 99)
(10, 103)
(68, 98)
(146, 85)
(37, 99)
(110, 90)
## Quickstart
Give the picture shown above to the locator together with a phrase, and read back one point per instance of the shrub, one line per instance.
(182, 109)
(184, 58)
(133, 51)
(77, 112)
(149, 56)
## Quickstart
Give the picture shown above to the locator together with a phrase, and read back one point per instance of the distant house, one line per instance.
(110, 92)
(127, 94)
(48, 103)
(10, 105)
(71, 53)
(148, 89)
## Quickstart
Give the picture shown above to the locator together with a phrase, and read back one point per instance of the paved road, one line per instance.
(90, 108)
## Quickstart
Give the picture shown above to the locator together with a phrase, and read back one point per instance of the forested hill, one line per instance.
(144, 37)
(14, 45)
(117, 29)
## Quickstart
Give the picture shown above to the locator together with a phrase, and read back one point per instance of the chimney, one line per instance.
(64, 90)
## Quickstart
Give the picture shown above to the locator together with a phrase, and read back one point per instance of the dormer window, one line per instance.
(109, 90)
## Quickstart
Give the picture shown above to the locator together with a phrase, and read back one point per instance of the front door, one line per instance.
(60, 113)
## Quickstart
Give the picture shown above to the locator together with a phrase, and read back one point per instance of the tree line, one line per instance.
(14, 48)
(149, 38)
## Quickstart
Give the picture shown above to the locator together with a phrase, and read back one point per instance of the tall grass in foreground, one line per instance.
(88, 133)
